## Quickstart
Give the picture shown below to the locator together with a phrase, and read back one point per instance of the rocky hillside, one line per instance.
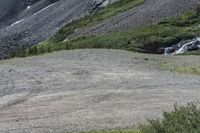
(14, 10)
(150, 12)
(27, 22)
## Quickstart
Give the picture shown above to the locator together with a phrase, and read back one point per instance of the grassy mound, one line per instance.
(147, 39)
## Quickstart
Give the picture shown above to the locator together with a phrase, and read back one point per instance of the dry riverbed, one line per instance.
(92, 89)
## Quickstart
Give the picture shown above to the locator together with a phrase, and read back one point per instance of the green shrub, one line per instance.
(183, 119)
(198, 9)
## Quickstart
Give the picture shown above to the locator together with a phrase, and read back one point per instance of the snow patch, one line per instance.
(28, 7)
(17, 22)
(43, 9)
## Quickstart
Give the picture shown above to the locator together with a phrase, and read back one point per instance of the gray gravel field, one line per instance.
(90, 89)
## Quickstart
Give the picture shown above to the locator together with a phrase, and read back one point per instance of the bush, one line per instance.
(198, 9)
(33, 50)
(180, 120)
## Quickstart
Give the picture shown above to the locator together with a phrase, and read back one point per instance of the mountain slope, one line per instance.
(46, 17)
(91, 89)
(149, 39)
(14, 10)
(43, 20)
(150, 12)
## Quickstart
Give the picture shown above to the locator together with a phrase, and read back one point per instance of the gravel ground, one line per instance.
(150, 12)
(90, 89)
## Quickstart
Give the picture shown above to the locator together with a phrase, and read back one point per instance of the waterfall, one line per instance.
(183, 46)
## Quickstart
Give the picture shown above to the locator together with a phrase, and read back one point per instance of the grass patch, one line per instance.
(188, 70)
(146, 39)
(113, 131)
(183, 67)
(192, 53)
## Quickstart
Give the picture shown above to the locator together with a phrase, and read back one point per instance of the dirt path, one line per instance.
(89, 89)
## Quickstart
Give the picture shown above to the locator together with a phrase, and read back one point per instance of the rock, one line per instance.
(103, 3)
(160, 51)
(184, 46)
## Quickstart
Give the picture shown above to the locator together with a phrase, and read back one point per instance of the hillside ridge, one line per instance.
(50, 15)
